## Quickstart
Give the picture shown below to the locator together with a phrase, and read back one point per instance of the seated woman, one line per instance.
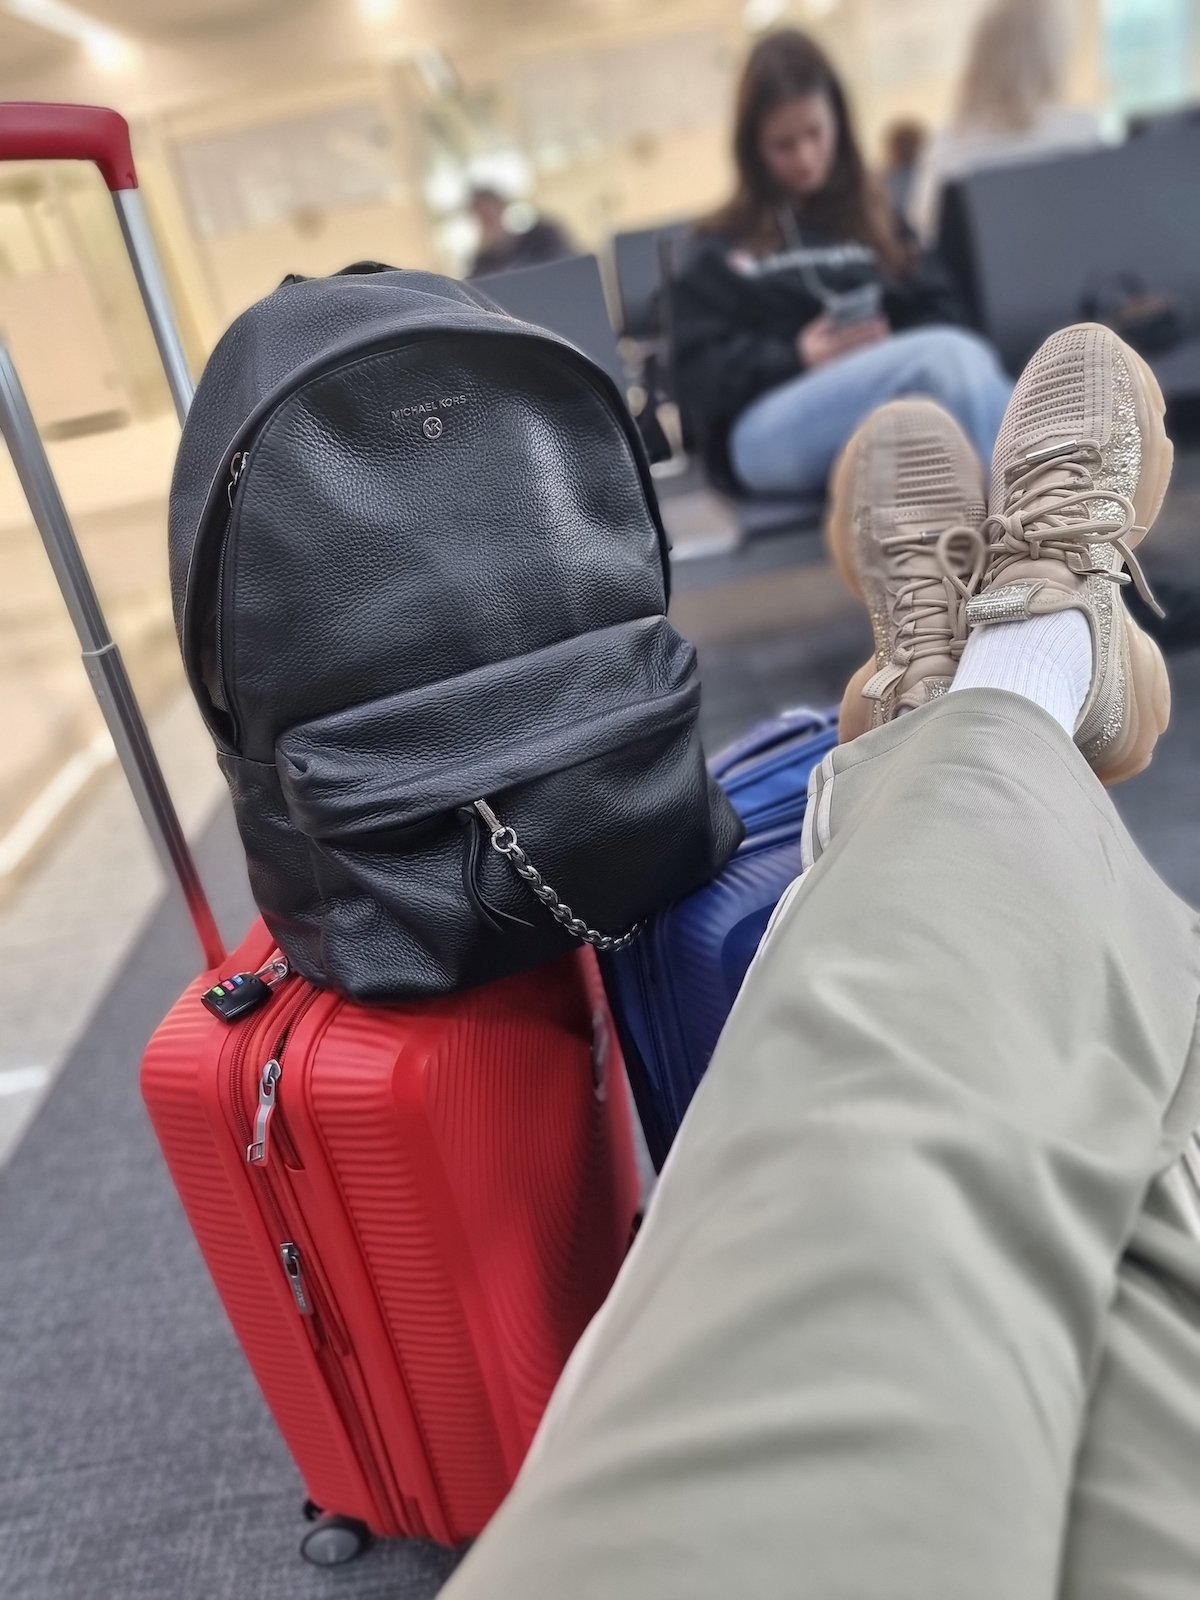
(805, 304)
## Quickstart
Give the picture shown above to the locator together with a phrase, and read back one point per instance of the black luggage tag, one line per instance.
(236, 996)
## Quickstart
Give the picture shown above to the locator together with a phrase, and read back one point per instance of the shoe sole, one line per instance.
(1149, 685)
(855, 716)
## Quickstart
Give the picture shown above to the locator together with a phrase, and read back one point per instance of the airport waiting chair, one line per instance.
(1027, 245)
(1156, 122)
(637, 262)
(567, 297)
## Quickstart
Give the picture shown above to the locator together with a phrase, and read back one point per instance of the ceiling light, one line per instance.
(105, 46)
(110, 51)
(760, 14)
(379, 10)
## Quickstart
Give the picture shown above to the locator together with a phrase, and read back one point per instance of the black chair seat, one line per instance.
(1029, 244)
(761, 516)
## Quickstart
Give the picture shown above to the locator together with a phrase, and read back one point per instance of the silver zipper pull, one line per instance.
(236, 467)
(289, 1254)
(274, 972)
(256, 1153)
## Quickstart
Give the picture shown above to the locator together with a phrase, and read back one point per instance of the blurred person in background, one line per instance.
(903, 144)
(1009, 103)
(806, 303)
(503, 247)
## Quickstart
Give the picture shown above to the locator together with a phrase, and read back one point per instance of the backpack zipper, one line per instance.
(237, 467)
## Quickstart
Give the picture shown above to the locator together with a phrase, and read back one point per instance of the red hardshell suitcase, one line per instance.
(443, 1194)
(440, 1194)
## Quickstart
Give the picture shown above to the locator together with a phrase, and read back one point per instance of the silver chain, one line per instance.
(505, 843)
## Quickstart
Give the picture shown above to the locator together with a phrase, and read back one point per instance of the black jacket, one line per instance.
(545, 241)
(735, 319)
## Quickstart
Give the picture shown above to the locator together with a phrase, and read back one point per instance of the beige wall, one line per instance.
(636, 161)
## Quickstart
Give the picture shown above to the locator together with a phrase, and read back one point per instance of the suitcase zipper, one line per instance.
(268, 1077)
(237, 1068)
(256, 1153)
(310, 1302)
(328, 1336)
(293, 1266)
(330, 1345)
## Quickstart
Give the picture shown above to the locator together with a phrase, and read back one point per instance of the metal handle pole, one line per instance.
(139, 241)
(101, 657)
(33, 131)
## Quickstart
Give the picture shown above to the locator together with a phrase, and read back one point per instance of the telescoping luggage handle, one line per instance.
(32, 131)
(88, 133)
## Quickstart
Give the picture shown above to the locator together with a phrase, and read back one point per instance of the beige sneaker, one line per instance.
(903, 529)
(1080, 471)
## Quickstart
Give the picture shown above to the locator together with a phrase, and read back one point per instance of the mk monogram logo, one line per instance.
(429, 413)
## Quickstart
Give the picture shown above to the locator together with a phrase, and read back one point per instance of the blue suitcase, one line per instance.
(673, 988)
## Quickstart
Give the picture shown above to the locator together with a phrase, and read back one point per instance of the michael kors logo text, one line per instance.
(428, 408)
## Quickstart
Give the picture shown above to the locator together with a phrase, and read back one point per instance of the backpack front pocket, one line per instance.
(581, 761)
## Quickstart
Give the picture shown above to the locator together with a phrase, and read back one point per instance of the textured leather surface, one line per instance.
(459, 1178)
(411, 756)
(310, 325)
(440, 577)
(673, 990)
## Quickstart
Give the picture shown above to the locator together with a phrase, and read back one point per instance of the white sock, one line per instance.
(1046, 659)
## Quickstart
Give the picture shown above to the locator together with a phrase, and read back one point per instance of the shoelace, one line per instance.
(1047, 515)
(929, 609)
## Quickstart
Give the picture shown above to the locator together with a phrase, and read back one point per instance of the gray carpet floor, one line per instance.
(137, 1461)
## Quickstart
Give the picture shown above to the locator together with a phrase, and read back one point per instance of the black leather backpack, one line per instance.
(419, 580)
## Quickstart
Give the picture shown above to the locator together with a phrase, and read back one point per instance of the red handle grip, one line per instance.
(34, 131)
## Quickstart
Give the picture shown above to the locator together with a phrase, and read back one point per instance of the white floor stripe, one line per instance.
(37, 820)
(21, 1080)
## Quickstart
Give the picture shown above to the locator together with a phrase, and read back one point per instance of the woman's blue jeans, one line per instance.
(787, 440)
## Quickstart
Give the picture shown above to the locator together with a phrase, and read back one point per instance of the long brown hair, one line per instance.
(786, 66)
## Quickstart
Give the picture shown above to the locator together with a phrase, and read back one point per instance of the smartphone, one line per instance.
(854, 306)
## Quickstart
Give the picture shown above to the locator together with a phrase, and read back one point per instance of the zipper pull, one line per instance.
(290, 1256)
(472, 875)
(256, 1153)
(236, 467)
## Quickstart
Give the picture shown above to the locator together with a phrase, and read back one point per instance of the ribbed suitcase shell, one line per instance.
(459, 1179)
(673, 989)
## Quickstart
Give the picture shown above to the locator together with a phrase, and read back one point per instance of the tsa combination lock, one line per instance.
(236, 996)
